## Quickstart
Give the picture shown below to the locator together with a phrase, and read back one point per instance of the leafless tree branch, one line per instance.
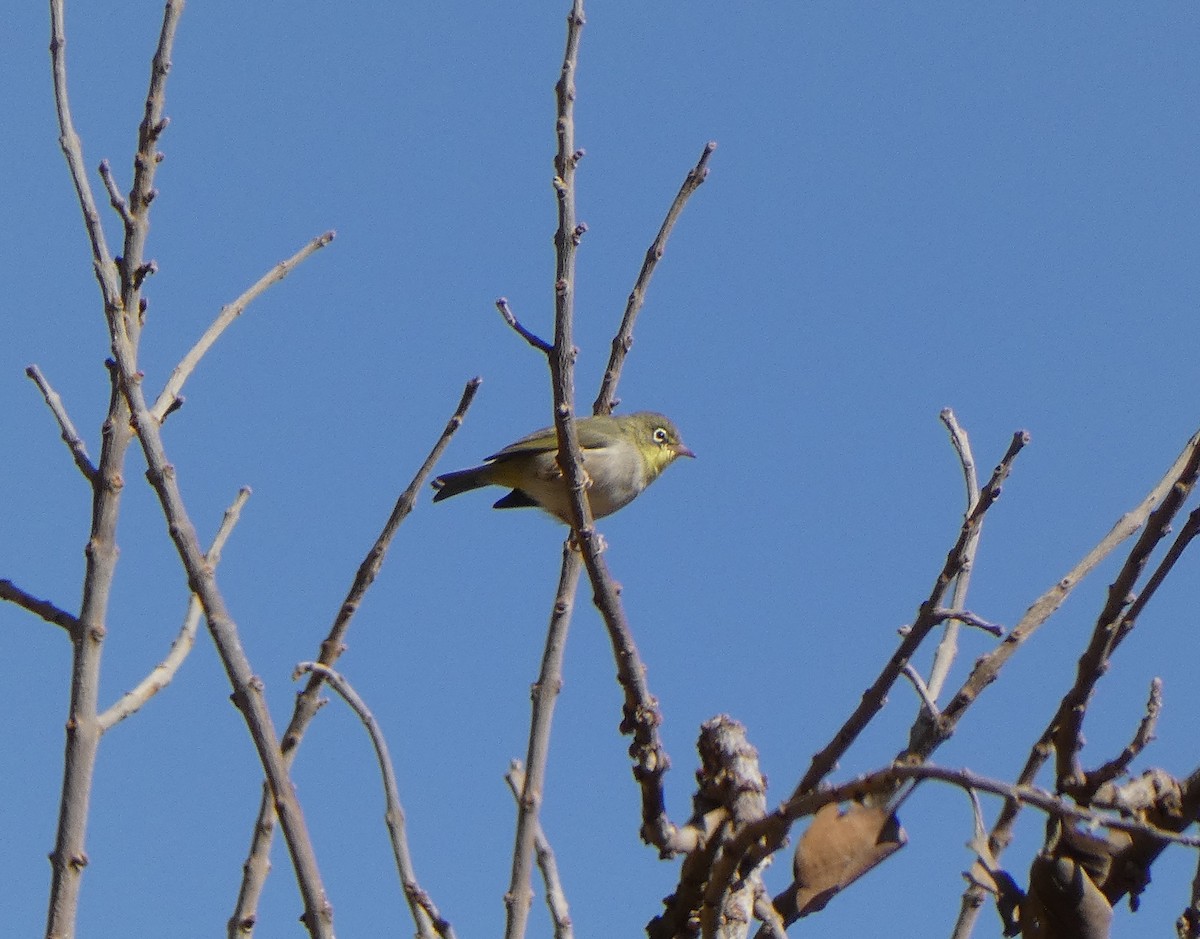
(556, 898)
(988, 667)
(70, 435)
(872, 700)
(530, 337)
(43, 608)
(622, 342)
(120, 289)
(258, 865)
(169, 396)
(162, 674)
(544, 694)
(394, 814)
(1093, 663)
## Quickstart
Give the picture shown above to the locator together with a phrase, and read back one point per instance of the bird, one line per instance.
(622, 455)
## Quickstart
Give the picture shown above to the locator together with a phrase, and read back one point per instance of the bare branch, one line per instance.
(145, 166)
(72, 148)
(556, 898)
(966, 617)
(43, 608)
(114, 193)
(395, 810)
(544, 695)
(570, 458)
(69, 856)
(1119, 765)
(532, 338)
(170, 394)
(247, 687)
(947, 649)
(622, 342)
(70, 435)
(988, 667)
(162, 674)
(1107, 634)
(910, 672)
(873, 699)
(257, 865)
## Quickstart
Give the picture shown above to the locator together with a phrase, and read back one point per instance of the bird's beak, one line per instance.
(681, 450)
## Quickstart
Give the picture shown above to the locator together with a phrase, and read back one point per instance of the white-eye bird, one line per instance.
(622, 455)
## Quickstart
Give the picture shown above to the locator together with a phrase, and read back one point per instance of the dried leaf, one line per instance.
(838, 848)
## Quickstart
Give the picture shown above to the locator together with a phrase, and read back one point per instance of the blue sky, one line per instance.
(994, 209)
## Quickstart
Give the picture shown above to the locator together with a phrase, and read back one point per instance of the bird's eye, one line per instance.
(660, 435)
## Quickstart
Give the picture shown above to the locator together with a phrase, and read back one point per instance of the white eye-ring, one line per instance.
(660, 435)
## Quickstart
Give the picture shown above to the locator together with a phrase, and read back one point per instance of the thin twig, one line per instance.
(1119, 765)
(43, 608)
(544, 695)
(947, 649)
(70, 435)
(966, 617)
(622, 342)
(115, 196)
(162, 674)
(988, 667)
(308, 702)
(745, 851)
(556, 898)
(170, 393)
(72, 148)
(910, 672)
(1107, 633)
(145, 166)
(873, 699)
(530, 337)
(395, 810)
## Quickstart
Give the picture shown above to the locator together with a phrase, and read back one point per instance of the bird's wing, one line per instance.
(540, 441)
(545, 440)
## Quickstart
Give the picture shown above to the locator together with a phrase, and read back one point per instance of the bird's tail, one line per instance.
(451, 484)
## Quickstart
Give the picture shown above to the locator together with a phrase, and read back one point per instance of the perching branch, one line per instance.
(394, 814)
(162, 674)
(169, 396)
(70, 435)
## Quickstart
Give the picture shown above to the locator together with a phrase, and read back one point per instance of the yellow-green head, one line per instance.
(622, 455)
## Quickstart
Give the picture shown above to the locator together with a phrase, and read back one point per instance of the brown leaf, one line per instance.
(837, 849)
(1063, 902)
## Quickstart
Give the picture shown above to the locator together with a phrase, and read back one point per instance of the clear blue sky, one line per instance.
(911, 207)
